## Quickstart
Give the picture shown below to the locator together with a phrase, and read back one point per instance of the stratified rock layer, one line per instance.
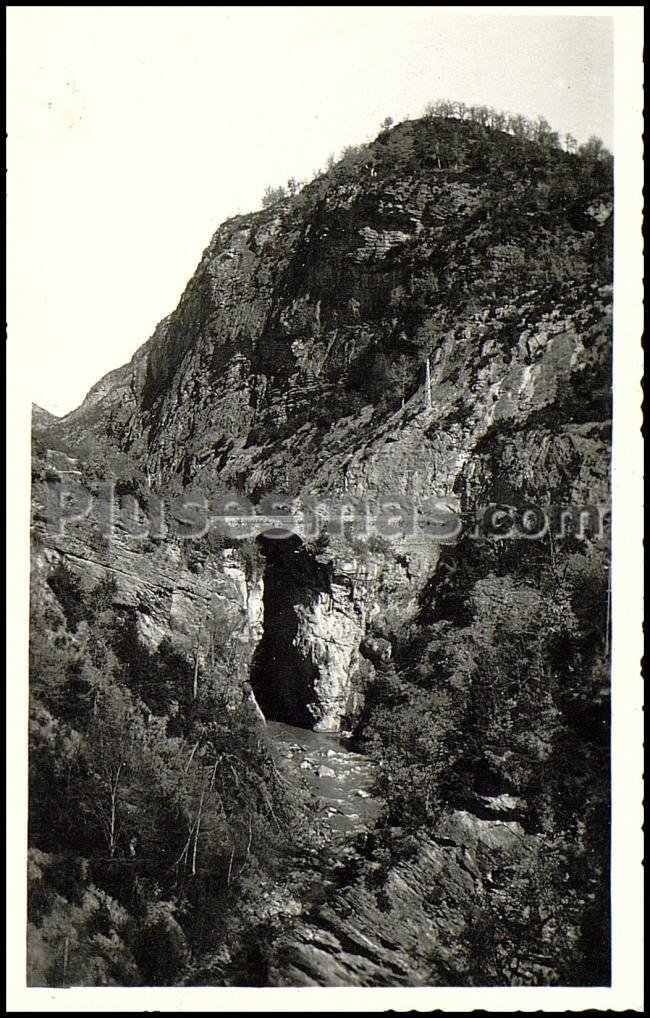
(294, 362)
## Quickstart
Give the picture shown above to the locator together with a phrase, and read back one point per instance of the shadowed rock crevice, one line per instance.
(282, 676)
(428, 326)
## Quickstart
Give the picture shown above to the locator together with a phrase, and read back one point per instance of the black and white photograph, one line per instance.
(325, 496)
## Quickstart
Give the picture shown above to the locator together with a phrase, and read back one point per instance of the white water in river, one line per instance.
(345, 799)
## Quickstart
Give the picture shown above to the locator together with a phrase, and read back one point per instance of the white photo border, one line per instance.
(627, 646)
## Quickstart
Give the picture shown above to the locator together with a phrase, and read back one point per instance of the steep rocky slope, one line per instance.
(408, 934)
(430, 321)
(294, 361)
(274, 372)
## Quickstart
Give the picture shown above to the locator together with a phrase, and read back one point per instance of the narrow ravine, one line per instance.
(341, 778)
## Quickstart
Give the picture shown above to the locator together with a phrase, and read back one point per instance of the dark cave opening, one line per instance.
(281, 676)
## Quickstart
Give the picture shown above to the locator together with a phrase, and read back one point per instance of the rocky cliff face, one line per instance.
(167, 592)
(295, 362)
(314, 663)
(428, 324)
(413, 940)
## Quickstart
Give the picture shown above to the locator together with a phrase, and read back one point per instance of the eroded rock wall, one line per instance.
(309, 667)
(295, 362)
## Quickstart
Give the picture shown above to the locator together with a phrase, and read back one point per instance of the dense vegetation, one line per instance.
(538, 132)
(157, 812)
(156, 808)
(502, 688)
(506, 240)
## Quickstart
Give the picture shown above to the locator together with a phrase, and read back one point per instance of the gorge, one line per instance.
(424, 329)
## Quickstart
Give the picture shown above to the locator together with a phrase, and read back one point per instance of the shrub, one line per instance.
(161, 948)
(273, 196)
(69, 594)
(249, 554)
(378, 544)
(369, 374)
(319, 544)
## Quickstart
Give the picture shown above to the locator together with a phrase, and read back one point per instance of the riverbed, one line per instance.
(341, 778)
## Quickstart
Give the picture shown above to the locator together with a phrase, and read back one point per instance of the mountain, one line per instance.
(429, 321)
(305, 326)
(303, 318)
(42, 418)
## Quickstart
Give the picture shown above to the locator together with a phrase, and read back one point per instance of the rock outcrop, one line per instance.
(401, 928)
(427, 326)
(42, 418)
(294, 363)
(310, 666)
(168, 592)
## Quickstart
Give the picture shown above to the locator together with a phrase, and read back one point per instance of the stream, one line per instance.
(341, 778)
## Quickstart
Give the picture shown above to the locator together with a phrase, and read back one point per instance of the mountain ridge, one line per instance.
(427, 323)
(299, 331)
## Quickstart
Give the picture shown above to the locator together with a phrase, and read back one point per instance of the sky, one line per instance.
(133, 132)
